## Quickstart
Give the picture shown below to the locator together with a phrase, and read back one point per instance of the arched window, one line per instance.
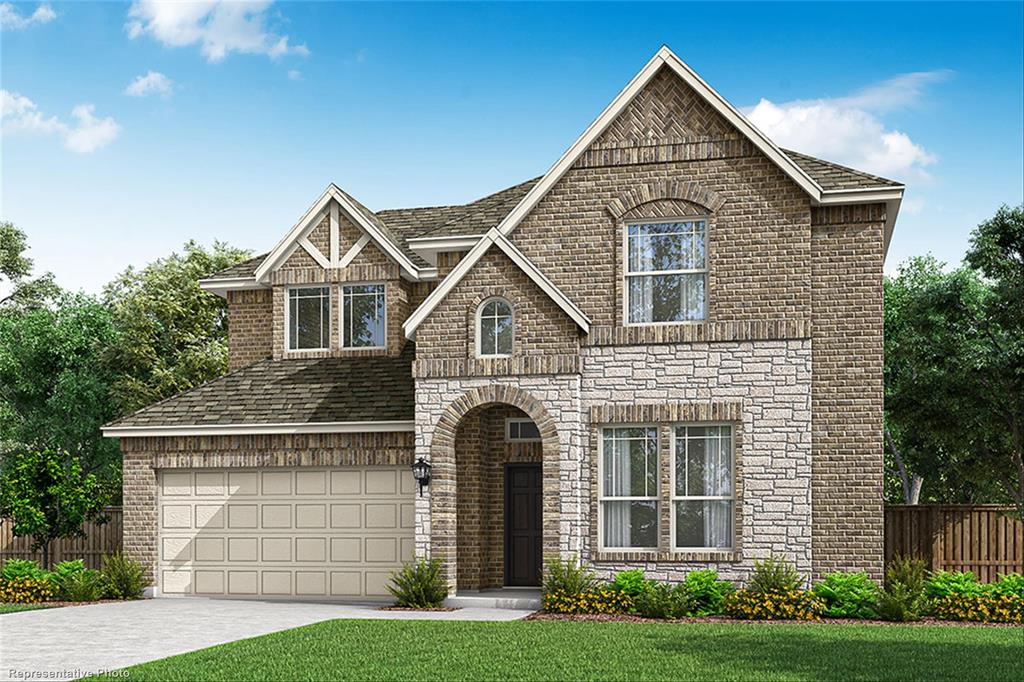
(494, 328)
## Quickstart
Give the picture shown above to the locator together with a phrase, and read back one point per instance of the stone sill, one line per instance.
(668, 557)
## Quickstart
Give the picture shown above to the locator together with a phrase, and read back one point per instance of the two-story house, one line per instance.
(665, 353)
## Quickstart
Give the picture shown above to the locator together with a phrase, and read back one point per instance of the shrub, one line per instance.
(23, 568)
(631, 582)
(419, 585)
(848, 595)
(1010, 585)
(706, 592)
(84, 585)
(569, 578)
(661, 600)
(945, 583)
(774, 574)
(602, 600)
(984, 608)
(25, 590)
(758, 605)
(123, 577)
(903, 598)
(64, 573)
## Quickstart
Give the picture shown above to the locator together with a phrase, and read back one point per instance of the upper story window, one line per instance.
(309, 318)
(363, 311)
(494, 328)
(666, 271)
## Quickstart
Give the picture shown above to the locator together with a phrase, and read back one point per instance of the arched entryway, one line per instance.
(494, 493)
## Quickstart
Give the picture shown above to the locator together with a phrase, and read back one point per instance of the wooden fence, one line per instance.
(99, 539)
(981, 538)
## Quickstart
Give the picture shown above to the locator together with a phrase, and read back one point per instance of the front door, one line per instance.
(523, 524)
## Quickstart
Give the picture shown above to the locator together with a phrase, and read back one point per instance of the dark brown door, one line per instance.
(522, 524)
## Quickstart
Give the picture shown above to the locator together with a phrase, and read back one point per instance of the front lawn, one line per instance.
(545, 650)
(14, 608)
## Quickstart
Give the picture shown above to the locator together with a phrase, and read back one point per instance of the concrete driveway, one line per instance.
(75, 641)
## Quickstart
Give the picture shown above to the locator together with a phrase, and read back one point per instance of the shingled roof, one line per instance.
(832, 176)
(306, 391)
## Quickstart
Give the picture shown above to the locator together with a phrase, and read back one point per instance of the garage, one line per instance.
(284, 533)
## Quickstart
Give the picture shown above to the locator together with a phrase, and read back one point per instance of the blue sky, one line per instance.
(131, 128)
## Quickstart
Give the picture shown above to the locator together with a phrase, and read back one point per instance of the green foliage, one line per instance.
(661, 600)
(178, 331)
(631, 582)
(23, 568)
(47, 496)
(54, 391)
(600, 600)
(774, 574)
(706, 592)
(123, 577)
(903, 598)
(84, 585)
(848, 595)
(419, 585)
(774, 605)
(944, 583)
(25, 590)
(16, 268)
(1009, 585)
(568, 577)
(983, 608)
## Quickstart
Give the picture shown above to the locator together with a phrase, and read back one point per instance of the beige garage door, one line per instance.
(284, 533)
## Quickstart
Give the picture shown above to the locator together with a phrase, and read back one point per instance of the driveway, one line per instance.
(75, 641)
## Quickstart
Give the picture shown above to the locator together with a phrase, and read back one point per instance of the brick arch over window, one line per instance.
(444, 484)
(514, 300)
(655, 191)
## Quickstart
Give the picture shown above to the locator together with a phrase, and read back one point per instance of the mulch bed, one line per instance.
(408, 608)
(625, 618)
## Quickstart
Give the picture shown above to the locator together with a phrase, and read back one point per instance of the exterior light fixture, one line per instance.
(421, 472)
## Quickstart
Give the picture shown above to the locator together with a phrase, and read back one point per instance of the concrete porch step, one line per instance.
(519, 599)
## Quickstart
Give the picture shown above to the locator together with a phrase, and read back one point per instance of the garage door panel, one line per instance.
(298, 533)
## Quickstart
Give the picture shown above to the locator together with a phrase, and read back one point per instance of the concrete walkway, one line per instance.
(75, 641)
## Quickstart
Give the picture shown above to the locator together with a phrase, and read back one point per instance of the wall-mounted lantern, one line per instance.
(421, 472)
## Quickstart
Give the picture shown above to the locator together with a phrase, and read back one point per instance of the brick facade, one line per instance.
(250, 327)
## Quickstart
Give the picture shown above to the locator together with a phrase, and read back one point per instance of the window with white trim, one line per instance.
(520, 430)
(702, 491)
(309, 318)
(494, 328)
(363, 316)
(628, 489)
(666, 271)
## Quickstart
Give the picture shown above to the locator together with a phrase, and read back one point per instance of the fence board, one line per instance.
(983, 538)
(100, 539)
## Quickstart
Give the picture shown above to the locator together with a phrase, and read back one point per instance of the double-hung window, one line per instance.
(629, 488)
(666, 271)
(362, 316)
(702, 492)
(309, 318)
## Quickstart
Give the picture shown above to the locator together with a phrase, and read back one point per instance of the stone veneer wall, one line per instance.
(144, 456)
(847, 395)
(250, 327)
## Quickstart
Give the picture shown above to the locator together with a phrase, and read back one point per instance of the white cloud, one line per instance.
(294, 75)
(219, 27)
(19, 114)
(153, 82)
(848, 129)
(11, 18)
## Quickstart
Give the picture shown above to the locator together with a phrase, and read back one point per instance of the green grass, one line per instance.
(546, 650)
(14, 608)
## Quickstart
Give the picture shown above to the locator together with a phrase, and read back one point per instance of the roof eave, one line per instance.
(149, 431)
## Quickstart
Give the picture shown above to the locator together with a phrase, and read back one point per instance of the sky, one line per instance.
(129, 129)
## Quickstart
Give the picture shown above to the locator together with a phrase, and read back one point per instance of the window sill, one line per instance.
(684, 556)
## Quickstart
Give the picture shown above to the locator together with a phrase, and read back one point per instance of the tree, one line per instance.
(54, 389)
(15, 267)
(175, 334)
(46, 496)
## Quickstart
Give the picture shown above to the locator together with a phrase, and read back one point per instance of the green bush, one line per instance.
(706, 592)
(945, 583)
(85, 585)
(63, 573)
(1009, 585)
(419, 585)
(569, 578)
(848, 595)
(761, 605)
(774, 574)
(631, 582)
(601, 600)
(661, 600)
(123, 577)
(903, 598)
(23, 568)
